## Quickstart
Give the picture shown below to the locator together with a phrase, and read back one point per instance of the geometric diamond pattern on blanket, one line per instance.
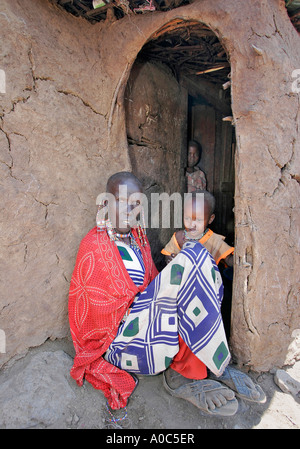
(132, 328)
(162, 354)
(168, 361)
(129, 362)
(184, 299)
(196, 311)
(133, 263)
(124, 254)
(165, 322)
(213, 273)
(176, 274)
(220, 355)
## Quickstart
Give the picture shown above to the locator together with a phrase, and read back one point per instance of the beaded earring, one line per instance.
(110, 231)
(100, 220)
(141, 228)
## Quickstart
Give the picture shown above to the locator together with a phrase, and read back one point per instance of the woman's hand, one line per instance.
(170, 258)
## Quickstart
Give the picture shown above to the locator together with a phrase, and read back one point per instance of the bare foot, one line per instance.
(208, 395)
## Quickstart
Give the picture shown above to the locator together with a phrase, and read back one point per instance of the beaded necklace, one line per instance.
(186, 237)
(106, 225)
(123, 236)
(113, 419)
(132, 241)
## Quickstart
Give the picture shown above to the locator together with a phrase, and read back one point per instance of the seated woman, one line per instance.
(127, 318)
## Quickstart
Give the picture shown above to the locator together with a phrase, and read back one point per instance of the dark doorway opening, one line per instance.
(179, 90)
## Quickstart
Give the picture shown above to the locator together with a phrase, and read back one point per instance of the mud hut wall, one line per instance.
(55, 160)
(265, 321)
(63, 132)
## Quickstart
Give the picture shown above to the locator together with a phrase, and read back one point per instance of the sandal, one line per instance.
(195, 392)
(242, 384)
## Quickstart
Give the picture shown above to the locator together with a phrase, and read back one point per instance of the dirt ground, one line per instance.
(150, 406)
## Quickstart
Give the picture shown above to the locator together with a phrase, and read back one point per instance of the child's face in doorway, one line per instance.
(193, 156)
(196, 218)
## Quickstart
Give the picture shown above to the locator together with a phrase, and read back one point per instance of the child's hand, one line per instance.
(229, 260)
(170, 258)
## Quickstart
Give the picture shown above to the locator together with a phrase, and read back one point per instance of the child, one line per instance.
(196, 228)
(195, 177)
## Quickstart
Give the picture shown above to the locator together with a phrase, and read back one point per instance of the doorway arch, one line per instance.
(179, 90)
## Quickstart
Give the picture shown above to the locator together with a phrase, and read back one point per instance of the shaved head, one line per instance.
(120, 178)
(209, 199)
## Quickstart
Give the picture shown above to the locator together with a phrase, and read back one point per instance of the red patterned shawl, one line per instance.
(100, 293)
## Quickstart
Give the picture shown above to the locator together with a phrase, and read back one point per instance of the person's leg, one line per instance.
(206, 394)
(187, 364)
(241, 384)
(184, 299)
